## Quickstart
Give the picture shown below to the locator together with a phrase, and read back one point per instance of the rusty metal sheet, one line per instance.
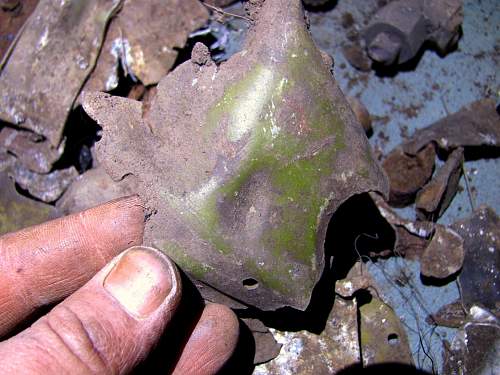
(423, 229)
(475, 124)
(11, 22)
(242, 165)
(144, 38)
(407, 174)
(382, 336)
(444, 256)
(435, 197)
(49, 63)
(480, 276)
(92, 188)
(475, 348)
(31, 149)
(45, 187)
(306, 353)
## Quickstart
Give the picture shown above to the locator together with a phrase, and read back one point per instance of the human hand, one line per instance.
(119, 304)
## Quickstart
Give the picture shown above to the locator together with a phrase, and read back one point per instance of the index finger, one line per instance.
(43, 264)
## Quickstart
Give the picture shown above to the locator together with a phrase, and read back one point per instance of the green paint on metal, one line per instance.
(242, 103)
(297, 160)
(187, 263)
(292, 133)
(271, 279)
(208, 223)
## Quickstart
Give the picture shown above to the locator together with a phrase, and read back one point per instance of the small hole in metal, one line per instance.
(250, 284)
(393, 339)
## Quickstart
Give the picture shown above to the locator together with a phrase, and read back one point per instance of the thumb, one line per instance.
(107, 326)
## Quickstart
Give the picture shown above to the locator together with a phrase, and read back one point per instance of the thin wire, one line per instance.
(219, 10)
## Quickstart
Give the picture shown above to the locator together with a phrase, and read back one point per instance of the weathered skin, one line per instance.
(243, 165)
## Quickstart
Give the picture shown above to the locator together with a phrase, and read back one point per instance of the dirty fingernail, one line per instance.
(140, 281)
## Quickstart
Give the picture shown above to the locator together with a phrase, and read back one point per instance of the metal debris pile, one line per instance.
(63, 49)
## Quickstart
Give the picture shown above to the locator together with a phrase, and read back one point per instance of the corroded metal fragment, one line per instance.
(452, 315)
(407, 173)
(30, 149)
(335, 349)
(382, 336)
(475, 124)
(480, 275)
(52, 58)
(445, 254)
(45, 187)
(92, 188)
(435, 197)
(243, 165)
(144, 38)
(412, 237)
(474, 349)
(398, 30)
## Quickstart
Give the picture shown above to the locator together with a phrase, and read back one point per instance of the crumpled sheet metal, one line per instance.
(439, 249)
(474, 349)
(45, 187)
(11, 22)
(423, 229)
(7, 160)
(143, 37)
(52, 58)
(382, 336)
(444, 256)
(480, 276)
(305, 353)
(412, 237)
(435, 197)
(30, 149)
(92, 188)
(243, 165)
(476, 124)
